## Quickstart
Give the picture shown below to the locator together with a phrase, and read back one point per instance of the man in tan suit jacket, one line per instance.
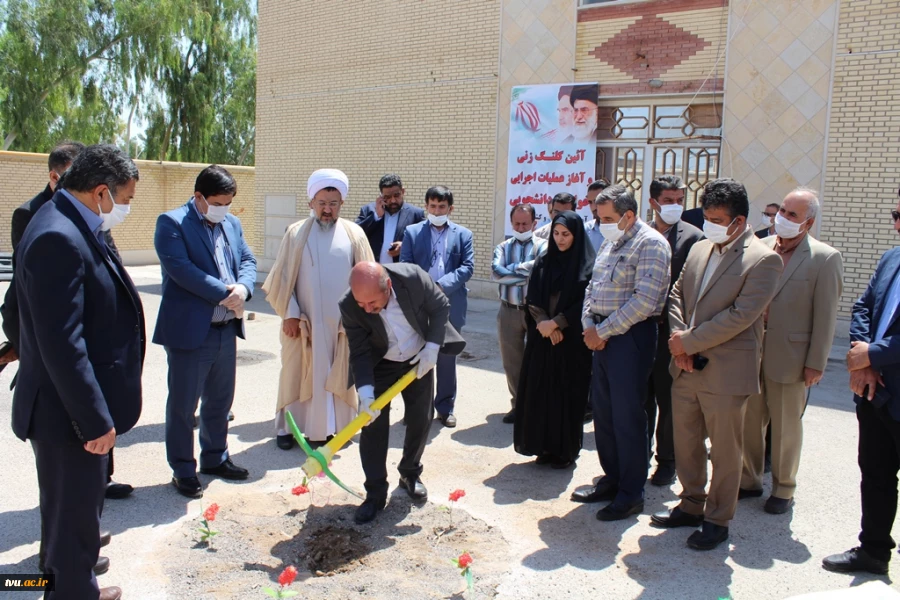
(800, 325)
(715, 312)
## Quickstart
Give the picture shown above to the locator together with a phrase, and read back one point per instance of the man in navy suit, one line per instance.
(385, 220)
(81, 352)
(874, 365)
(444, 250)
(208, 273)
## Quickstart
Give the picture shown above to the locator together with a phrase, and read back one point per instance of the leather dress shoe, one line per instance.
(707, 538)
(414, 487)
(561, 463)
(105, 538)
(368, 509)
(676, 518)
(588, 416)
(617, 512)
(227, 470)
(448, 420)
(744, 494)
(778, 506)
(110, 593)
(663, 476)
(599, 493)
(855, 559)
(117, 491)
(230, 416)
(102, 565)
(188, 486)
(285, 442)
(510, 417)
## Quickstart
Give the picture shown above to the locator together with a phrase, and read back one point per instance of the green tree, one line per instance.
(187, 67)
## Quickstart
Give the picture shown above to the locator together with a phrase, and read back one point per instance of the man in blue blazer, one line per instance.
(385, 220)
(874, 365)
(81, 351)
(208, 273)
(444, 250)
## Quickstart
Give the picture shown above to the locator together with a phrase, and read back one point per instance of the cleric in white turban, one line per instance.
(308, 278)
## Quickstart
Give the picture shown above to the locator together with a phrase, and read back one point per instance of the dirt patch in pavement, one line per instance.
(405, 552)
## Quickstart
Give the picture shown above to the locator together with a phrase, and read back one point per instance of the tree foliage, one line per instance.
(90, 69)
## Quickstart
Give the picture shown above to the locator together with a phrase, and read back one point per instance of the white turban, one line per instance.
(324, 178)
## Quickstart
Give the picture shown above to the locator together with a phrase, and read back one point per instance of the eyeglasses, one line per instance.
(771, 216)
(895, 215)
(331, 205)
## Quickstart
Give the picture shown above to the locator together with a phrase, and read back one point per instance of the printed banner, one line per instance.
(552, 146)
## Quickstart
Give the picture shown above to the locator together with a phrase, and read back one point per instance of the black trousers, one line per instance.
(72, 484)
(418, 398)
(659, 401)
(879, 462)
(42, 551)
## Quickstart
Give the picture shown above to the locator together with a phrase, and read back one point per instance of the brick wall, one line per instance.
(162, 186)
(676, 42)
(862, 178)
(401, 86)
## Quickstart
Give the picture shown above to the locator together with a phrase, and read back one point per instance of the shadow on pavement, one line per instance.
(518, 482)
(19, 527)
(579, 540)
(492, 434)
(780, 546)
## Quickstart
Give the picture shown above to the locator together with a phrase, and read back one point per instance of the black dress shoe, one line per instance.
(196, 421)
(707, 538)
(544, 459)
(663, 476)
(744, 494)
(368, 509)
(561, 463)
(588, 416)
(855, 559)
(105, 538)
(285, 442)
(599, 493)
(510, 417)
(675, 518)
(117, 491)
(102, 565)
(448, 420)
(188, 486)
(617, 512)
(778, 506)
(227, 470)
(414, 488)
(230, 416)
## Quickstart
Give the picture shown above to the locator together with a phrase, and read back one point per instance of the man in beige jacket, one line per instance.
(800, 325)
(715, 312)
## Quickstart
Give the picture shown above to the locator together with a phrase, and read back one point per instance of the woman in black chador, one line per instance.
(556, 370)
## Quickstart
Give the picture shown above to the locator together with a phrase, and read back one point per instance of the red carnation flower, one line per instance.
(300, 490)
(464, 560)
(287, 576)
(210, 513)
(456, 495)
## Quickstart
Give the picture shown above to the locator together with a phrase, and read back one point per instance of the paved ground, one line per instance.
(557, 548)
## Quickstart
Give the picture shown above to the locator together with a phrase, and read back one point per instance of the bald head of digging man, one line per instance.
(370, 286)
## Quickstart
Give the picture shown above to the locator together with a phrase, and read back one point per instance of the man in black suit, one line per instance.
(770, 213)
(396, 319)
(60, 159)
(385, 220)
(874, 365)
(80, 362)
(694, 217)
(667, 200)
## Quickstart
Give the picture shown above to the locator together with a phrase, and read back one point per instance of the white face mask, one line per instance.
(611, 231)
(115, 216)
(786, 229)
(523, 236)
(670, 213)
(437, 220)
(216, 214)
(717, 234)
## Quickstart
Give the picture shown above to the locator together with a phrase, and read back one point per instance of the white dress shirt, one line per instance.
(390, 230)
(715, 259)
(403, 340)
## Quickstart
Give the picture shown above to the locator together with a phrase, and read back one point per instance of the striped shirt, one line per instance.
(630, 282)
(511, 267)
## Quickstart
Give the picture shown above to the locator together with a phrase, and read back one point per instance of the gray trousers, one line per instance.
(511, 329)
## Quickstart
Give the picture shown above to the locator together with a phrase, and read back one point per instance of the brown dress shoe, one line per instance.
(110, 593)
